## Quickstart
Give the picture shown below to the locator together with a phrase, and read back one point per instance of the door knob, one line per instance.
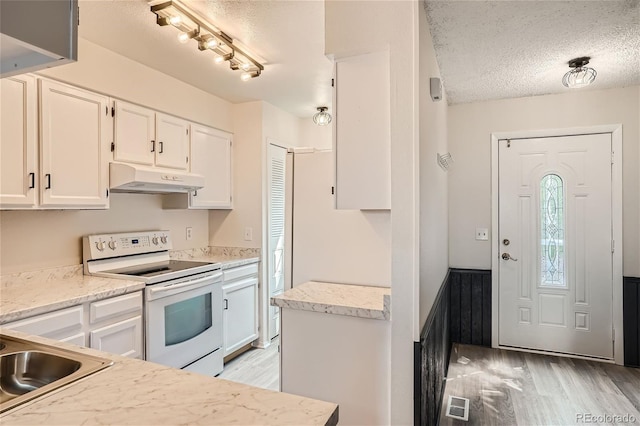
(507, 256)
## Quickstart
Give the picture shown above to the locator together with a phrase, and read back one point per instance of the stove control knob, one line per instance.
(163, 239)
(112, 245)
(100, 245)
(154, 240)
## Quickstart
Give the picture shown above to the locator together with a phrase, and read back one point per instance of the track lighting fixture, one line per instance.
(209, 37)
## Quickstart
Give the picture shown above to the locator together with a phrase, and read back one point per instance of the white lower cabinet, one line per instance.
(111, 325)
(240, 319)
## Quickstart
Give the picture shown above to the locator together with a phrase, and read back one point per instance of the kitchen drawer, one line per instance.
(240, 272)
(56, 325)
(115, 307)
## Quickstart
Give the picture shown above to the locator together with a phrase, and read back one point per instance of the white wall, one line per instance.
(434, 237)
(356, 27)
(255, 123)
(31, 240)
(343, 246)
(314, 136)
(105, 71)
(470, 126)
(226, 227)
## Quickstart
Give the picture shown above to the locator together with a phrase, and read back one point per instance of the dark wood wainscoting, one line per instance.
(431, 360)
(470, 306)
(631, 321)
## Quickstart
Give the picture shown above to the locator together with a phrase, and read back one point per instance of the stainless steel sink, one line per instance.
(29, 370)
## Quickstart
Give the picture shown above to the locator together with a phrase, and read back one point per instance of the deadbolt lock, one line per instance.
(506, 242)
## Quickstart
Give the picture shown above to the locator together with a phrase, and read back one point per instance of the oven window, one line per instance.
(186, 319)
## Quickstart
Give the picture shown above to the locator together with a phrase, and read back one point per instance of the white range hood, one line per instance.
(37, 34)
(131, 178)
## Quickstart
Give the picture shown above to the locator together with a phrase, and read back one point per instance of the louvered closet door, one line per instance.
(276, 206)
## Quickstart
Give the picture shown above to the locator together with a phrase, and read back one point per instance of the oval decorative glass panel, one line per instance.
(552, 228)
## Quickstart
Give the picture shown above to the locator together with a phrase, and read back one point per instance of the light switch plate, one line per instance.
(482, 234)
(248, 233)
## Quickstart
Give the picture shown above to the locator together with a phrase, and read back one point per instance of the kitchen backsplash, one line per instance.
(24, 278)
(234, 251)
(215, 251)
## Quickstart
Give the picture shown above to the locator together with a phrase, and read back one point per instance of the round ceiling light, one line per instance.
(322, 117)
(580, 75)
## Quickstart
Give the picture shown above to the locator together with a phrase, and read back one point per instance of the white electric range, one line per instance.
(183, 299)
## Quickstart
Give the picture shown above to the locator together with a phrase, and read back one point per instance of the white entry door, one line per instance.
(555, 242)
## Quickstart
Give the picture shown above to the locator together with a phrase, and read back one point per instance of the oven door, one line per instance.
(184, 320)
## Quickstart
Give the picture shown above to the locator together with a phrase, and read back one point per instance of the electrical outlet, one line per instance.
(248, 233)
(189, 233)
(482, 234)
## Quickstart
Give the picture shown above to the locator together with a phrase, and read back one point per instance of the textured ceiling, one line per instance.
(507, 49)
(485, 49)
(288, 35)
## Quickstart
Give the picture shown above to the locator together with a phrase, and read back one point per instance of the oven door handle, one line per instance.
(192, 285)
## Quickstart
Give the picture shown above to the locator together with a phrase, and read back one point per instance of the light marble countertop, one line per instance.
(32, 293)
(26, 294)
(144, 393)
(339, 299)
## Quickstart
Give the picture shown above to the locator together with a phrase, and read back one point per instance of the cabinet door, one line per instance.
(172, 142)
(122, 338)
(75, 138)
(362, 132)
(240, 314)
(134, 134)
(211, 158)
(18, 143)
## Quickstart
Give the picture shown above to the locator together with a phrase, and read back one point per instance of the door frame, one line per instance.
(616, 211)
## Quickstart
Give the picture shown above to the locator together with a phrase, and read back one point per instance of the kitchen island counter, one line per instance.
(339, 299)
(138, 392)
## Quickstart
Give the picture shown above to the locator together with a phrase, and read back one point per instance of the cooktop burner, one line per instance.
(157, 268)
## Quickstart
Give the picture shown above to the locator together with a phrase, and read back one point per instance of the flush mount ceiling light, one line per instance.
(208, 36)
(580, 75)
(322, 117)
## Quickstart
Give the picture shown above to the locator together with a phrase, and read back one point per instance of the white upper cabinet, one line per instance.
(172, 142)
(143, 136)
(134, 134)
(75, 136)
(362, 141)
(18, 142)
(211, 158)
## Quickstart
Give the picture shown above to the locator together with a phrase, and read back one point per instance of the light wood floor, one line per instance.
(517, 388)
(256, 367)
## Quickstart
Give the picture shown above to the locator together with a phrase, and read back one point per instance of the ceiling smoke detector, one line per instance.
(580, 75)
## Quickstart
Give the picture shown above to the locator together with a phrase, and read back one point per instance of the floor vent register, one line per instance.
(458, 408)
